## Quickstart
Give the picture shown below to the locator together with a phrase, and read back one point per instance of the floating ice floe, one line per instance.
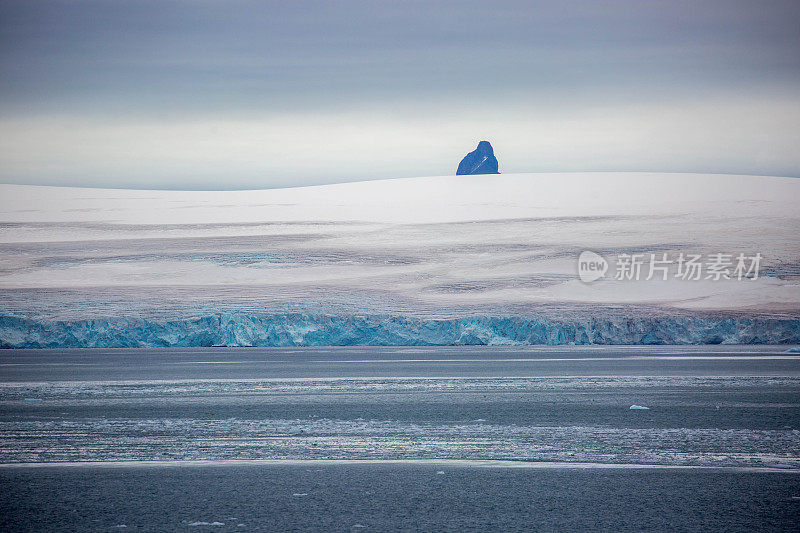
(206, 524)
(637, 407)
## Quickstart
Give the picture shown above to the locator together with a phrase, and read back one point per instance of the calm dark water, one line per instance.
(176, 439)
(391, 498)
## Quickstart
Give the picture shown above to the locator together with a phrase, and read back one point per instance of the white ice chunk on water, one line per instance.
(298, 494)
(635, 407)
(206, 524)
(796, 349)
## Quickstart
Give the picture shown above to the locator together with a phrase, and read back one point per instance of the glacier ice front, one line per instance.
(309, 330)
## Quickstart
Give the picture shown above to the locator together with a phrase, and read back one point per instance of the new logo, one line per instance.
(591, 266)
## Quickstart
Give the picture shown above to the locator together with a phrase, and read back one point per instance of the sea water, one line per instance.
(436, 438)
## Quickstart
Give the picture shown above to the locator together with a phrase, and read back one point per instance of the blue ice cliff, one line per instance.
(299, 329)
(479, 161)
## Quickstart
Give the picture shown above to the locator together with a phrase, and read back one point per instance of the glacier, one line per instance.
(235, 329)
(445, 260)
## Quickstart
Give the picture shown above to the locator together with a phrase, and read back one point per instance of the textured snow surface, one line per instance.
(439, 260)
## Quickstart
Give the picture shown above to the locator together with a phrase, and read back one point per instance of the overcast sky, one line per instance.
(271, 94)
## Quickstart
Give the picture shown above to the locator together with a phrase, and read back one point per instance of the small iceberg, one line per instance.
(796, 349)
(635, 407)
(479, 161)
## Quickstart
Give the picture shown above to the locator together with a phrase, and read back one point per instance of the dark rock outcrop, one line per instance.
(479, 161)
